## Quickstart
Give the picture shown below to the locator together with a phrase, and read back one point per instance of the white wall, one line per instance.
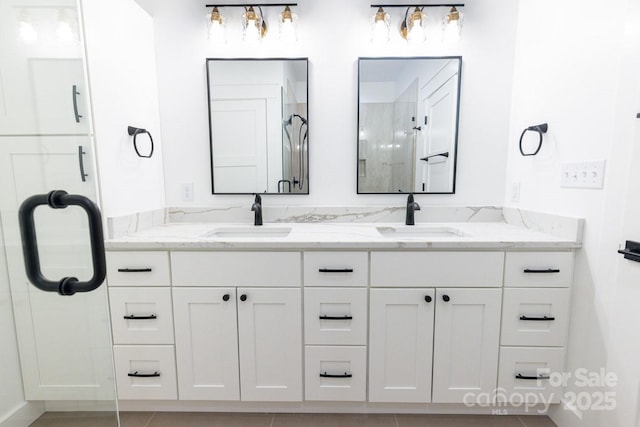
(124, 91)
(572, 71)
(333, 34)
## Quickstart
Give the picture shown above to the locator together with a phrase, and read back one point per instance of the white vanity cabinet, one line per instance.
(401, 344)
(466, 343)
(335, 324)
(535, 321)
(142, 325)
(458, 325)
(238, 342)
(373, 326)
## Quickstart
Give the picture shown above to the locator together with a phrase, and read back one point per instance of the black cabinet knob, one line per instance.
(427, 298)
(243, 297)
(225, 297)
(446, 298)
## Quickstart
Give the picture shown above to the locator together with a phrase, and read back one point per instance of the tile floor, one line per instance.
(202, 419)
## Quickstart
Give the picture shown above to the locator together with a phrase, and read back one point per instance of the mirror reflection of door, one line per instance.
(258, 125)
(408, 124)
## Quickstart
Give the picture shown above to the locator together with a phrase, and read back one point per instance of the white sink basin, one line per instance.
(248, 232)
(418, 231)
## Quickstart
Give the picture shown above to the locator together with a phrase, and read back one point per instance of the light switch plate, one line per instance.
(583, 174)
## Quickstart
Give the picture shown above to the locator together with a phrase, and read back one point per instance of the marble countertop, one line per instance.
(229, 236)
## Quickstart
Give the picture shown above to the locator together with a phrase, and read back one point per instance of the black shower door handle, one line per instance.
(60, 199)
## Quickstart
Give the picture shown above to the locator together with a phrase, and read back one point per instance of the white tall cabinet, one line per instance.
(50, 132)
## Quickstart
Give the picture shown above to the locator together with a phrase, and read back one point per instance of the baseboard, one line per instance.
(324, 407)
(23, 415)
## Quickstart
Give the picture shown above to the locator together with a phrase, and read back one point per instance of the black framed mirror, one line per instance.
(258, 125)
(408, 117)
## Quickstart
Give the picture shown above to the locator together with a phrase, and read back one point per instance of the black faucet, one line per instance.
(411, 207)
(257, 209)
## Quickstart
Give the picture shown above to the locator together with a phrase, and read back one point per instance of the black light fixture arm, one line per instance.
(250, 4)
(418, 5)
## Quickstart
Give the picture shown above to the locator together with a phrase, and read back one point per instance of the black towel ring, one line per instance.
(540, 129)
(134, 131)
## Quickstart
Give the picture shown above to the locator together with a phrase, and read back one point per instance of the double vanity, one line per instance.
(363, 315)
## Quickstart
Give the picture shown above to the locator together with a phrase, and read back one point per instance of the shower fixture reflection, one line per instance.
(296, 149)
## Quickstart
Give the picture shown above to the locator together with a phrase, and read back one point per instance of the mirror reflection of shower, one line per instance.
(295, 143)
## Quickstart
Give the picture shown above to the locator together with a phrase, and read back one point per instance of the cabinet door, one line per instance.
(270, 342)
(206, 343)
(42, 85)
(401, 344)
(467, 331)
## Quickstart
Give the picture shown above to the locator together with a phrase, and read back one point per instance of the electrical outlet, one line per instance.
(187, 192)
(583, 175)
(515, 191)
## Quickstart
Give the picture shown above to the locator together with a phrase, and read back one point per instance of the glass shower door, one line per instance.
(61, 343)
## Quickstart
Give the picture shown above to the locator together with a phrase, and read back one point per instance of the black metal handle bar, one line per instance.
(60, 199)
(536, 319)
(335, 270)
(345, 375)
(345, 317)
(548, 270)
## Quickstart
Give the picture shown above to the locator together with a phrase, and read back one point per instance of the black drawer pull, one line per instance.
(525, 377)
(335, 270)
(134, 270)
(427, 298)
(548, 270)
(134, 317)
(345, 375)
(345, 317)
(136, 374)
(537, 319)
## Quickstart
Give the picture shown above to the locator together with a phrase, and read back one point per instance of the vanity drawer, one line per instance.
(437, 269)
(138, 268)
(519, 372)
(336, 268)
(141, 315)
(335, 373)
(145, 372)
(525, 312)
(545, 269)
(212, 268)
(335, 316)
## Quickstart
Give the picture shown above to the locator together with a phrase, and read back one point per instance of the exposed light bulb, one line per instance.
(254, 27)
(452, 26)
(415, 27)
(288, 33)
(217, 33)
(67, 31)
(26, 31)
(380, 27)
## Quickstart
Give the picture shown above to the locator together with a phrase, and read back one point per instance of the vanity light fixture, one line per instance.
(67, 31)
(413, 26)
(452, 26)
(254, 26)
(288, 23)
(26, 31)
(217, 26)
(381, 26)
